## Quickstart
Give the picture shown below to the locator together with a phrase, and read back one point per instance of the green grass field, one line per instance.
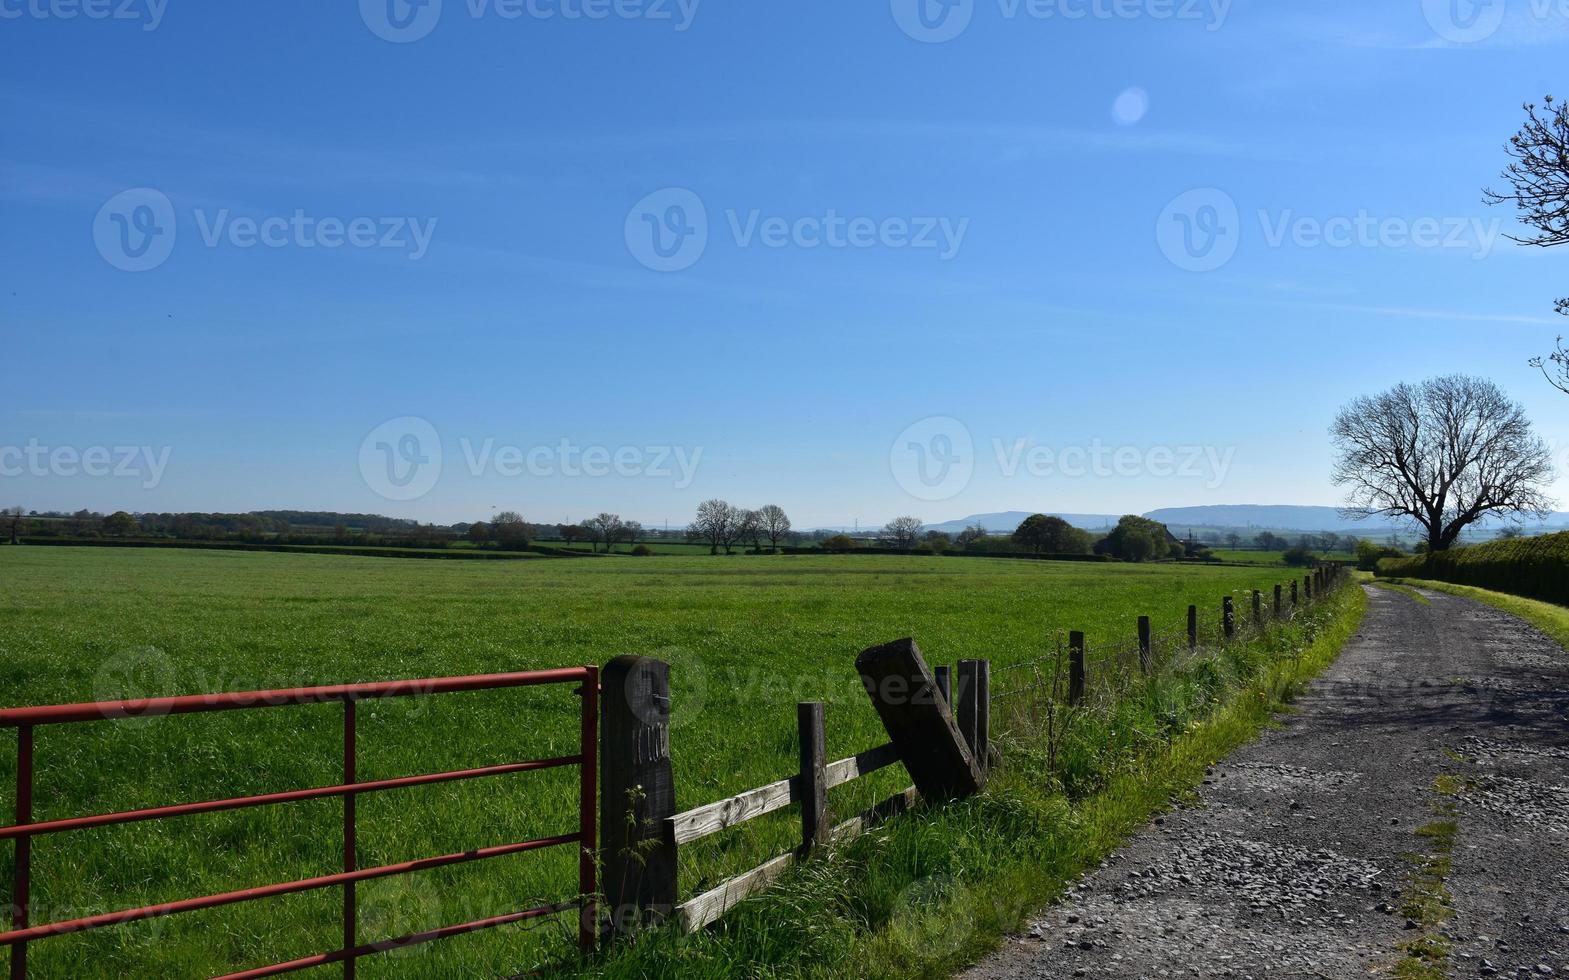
(747, 638)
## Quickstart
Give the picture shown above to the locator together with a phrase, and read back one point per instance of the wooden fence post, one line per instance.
(1307, 588)
(919, 722)
(1193, 627)
(637, 793)
(1146, 658)
(814, 778)
(1075, 668)
(975, 708)
(1258, 608)
(1293, 593)
(1228, 616)
(945, 683)
(1277, 601)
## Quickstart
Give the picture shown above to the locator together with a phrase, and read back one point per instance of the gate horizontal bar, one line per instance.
(271, 891)
(233, 701)
(290, 796)
(417, 939)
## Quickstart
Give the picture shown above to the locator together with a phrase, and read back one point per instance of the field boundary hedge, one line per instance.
(357, 551)
(1537, 568)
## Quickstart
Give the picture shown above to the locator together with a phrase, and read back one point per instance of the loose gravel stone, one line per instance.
(1295, 861)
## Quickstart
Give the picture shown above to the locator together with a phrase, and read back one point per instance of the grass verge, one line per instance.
(1404, 590)
(934, 891)
(1427, 903)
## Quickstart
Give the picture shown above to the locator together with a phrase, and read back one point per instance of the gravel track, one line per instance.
(1297, 859)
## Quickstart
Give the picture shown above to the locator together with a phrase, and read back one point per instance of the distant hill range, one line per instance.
(1238, 517)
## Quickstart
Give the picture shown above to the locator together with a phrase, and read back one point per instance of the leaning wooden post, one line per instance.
(945, 683)
(1228, 617)
(1075, 668)
(637, 793)
(1277, 601)
(1193, 627)
(1146, 659)
(814, 776)
(974, 708)
(919, 723)
(1258, 608)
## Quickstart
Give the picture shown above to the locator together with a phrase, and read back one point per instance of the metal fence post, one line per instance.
(24, 847)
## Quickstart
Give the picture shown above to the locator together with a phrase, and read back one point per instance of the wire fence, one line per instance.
(1076, 679)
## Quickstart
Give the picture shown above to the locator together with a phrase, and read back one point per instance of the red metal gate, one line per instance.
(24, 720)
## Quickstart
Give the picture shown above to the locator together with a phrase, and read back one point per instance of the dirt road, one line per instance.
(1412, 812)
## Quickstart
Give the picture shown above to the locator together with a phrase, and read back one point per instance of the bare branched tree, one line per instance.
(717, 525)
(776, 524)
(607, 528)
(1443, 454)
(902, 532)
(631, 531)
(1555, 366)
(13, 517)
(749, 527)
(1538, 176)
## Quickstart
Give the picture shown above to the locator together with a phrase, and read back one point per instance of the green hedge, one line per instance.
(1534, 567)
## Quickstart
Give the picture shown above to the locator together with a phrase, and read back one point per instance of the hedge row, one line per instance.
(1534, 567)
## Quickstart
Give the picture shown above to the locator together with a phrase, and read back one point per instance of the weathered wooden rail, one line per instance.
(643, 840)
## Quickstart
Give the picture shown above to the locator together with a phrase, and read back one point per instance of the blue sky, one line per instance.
(296, 255)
